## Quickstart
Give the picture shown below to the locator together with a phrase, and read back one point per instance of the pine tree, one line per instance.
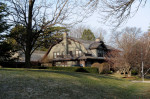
(5, 47)
(88, 35)
(3, 25)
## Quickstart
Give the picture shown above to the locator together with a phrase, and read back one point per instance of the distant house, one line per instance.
(70, 51)
(35, 57)
(19, 61)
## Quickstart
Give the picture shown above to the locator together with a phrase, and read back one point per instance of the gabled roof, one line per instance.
(89, 44)
(86, 43)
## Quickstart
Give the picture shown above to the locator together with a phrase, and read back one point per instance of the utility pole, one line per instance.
(142, 71)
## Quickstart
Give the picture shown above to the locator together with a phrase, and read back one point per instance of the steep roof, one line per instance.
(89, 44)
(86, 43)
(36, 56)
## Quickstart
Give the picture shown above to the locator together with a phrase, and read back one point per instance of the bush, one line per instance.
(74, 69)
(102, 67)
(134, 72)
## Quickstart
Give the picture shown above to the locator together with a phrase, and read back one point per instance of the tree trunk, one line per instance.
(27, 59)
(29, 35)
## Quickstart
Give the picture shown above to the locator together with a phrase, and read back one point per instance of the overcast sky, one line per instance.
(140, 20)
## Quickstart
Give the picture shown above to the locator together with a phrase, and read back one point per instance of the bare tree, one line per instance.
(77, 31)
(100, 33)
(145, 54)
(126, 40)
(116, 12)
(38, 15)
(135, 51)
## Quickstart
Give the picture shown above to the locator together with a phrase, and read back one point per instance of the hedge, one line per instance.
(74, 69)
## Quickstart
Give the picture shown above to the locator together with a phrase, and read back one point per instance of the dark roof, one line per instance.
(90, 44)
(86, 43)
(36, 56)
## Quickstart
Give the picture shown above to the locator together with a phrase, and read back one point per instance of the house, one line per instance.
(19, 61)
(35, 57)
(70, 51)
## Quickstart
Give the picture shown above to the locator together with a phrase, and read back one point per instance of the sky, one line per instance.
(140, 20)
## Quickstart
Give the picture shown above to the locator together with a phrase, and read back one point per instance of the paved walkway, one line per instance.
(141, 81)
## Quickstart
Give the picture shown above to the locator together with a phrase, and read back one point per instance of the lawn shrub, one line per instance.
(102, 67)
(75, 69)
(134, 72)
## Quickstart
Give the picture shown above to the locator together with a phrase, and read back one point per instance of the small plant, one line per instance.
(134, 72)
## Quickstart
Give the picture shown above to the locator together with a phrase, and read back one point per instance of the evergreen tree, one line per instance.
(88, 35)
(46, 38)
(6, 51)
(51, 36)
(3, 25)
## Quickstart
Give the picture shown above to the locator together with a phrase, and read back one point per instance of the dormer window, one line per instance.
(100, 53)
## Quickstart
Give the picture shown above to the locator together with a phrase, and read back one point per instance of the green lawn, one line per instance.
(48, 84)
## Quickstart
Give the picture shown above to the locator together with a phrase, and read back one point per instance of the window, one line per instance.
(56, 54)
(100, 53)
(78, 53)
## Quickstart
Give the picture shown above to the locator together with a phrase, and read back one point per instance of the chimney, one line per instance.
(97, 40)
(65, 35)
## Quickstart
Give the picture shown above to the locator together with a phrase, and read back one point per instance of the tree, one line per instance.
(3, 23)
(51, 36)
(88, 35)
(100, 33)
(78, 31)
(38, 15)
(126, 40)
(116, 12)
(6, 51)
(145, 54)
(135, 51)
(17, 35)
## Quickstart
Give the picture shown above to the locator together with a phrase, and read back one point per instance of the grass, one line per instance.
(50, 84)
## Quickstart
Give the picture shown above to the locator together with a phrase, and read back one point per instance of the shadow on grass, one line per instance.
(49, 87)
(77, 74)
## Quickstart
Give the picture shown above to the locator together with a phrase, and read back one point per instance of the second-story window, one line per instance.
(78, 53)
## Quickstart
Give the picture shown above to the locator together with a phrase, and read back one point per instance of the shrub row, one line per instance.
(74, 69)
(104, 68)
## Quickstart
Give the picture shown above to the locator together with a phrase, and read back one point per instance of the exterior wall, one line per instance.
(76, 46)
(66, 63)
(72, 46)
(94, 52)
